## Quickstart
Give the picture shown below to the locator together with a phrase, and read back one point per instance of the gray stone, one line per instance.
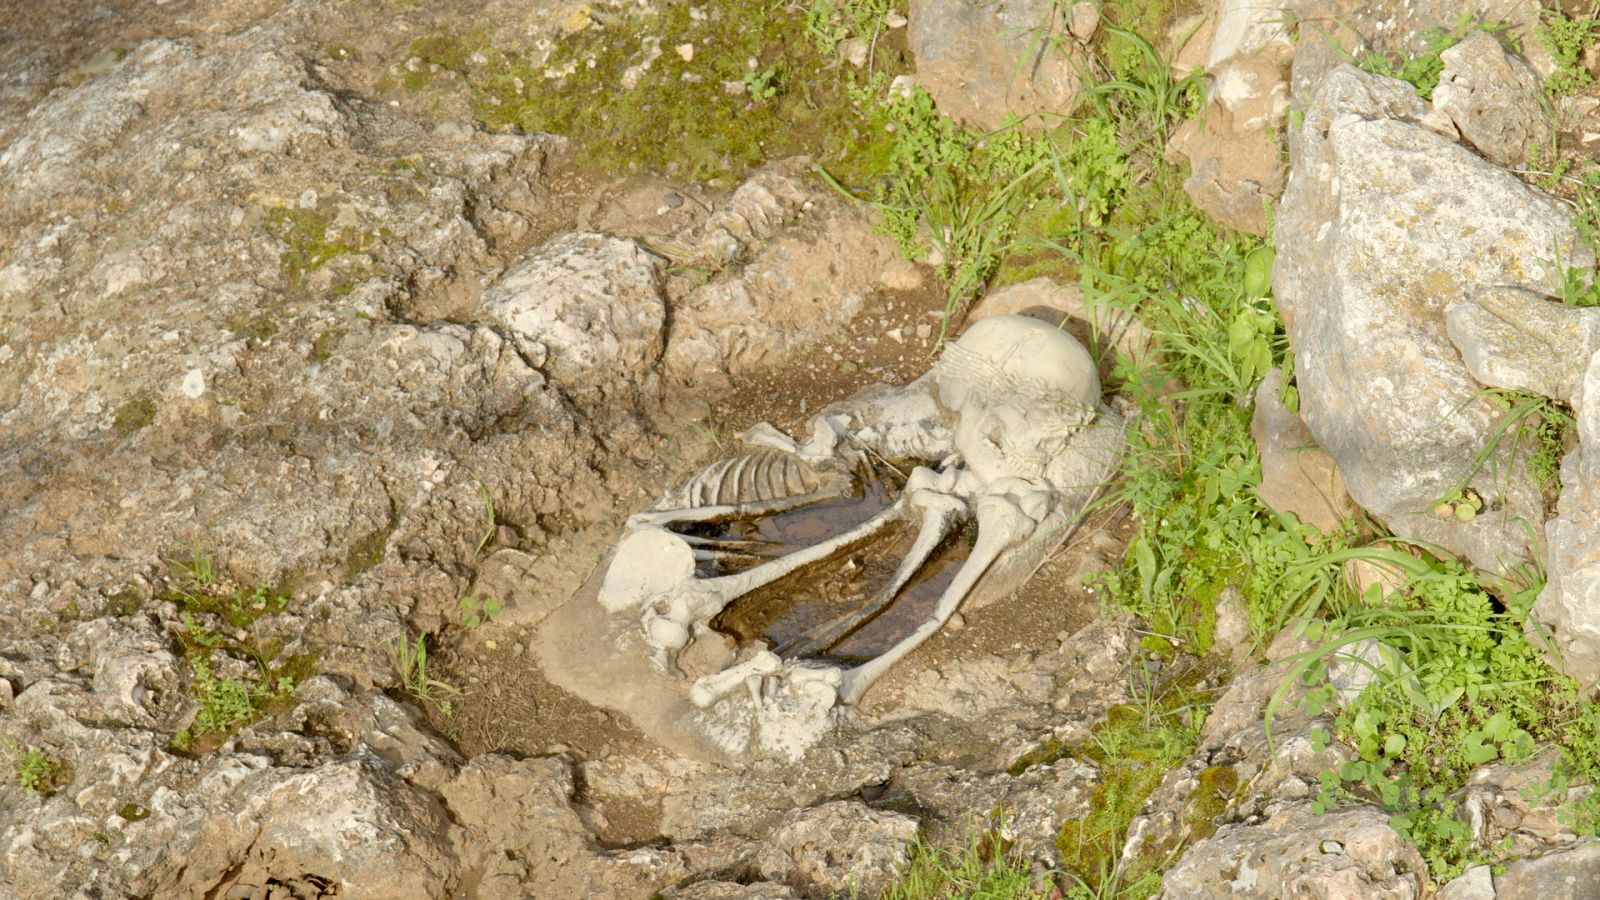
(1475, 883)
(837, 848)
(1296, 853)
(1383, 225)
(1297, 476)
(1569, 606)
(982, 60)
(1524, 341)
(1521, 340)
(586, 308)
(1571, 873)
(1495, 100)
(729, 890)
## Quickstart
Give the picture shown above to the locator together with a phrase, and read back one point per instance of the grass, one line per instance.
(410, 659)
(982, 870)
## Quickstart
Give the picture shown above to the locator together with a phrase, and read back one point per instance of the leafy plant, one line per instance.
(1567, 39)
(228, 703)
(475, 612)
(1424, 69)
(34, 770)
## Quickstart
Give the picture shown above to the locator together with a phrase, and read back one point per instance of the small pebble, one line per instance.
(674, 199)
(894, 20)
(685, 52)
(924, 331)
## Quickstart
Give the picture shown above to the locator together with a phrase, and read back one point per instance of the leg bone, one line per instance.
(1001, 525)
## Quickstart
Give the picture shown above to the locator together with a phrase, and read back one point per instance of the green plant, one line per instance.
(410, 659)
(1455, 684)
(33, 768)
(762, 86)
(1567, 39)
(226, 703)
(475, 612)
(983, 870)
(199, 588)
(1423, 70)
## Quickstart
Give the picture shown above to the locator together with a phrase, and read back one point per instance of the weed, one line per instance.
(199, 589)
(1134, 748)
(1423, 70)
(226, 703)
(475, 612)
(33, 768)
(410, 660)
(311, 240)
(133, 415)
(983, 870)
(1567, 39)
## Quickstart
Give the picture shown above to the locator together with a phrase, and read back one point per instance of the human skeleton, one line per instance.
(1002, 426)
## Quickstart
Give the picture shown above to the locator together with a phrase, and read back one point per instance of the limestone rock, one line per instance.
(1494, 99)
(1569, 605)
(1384, 224)
(1296, 853)
(1520, 340)
(1564, 873)
(1297, 476)
(1524, 341)
(587, 308)
(983, 60)
(1233, 147)
(809, 262)
(837, 848)
(1475, 883)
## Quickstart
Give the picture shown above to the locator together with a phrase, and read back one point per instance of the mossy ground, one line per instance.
(754, 87)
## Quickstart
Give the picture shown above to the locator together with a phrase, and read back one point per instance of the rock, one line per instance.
(586, 308)
(1569, 606)
(981, 61)
(1475, 883)
(1495, 100)
(1083, 20)
(809, 262)
(1028, 807)
(730, 890)
(837, 848)
(1289, 855)
(1565, 873)
(1520, 340)
(1233, 147)
(1297, 476)
(1363, 296)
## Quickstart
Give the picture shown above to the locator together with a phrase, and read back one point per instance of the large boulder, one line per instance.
(1383, 225)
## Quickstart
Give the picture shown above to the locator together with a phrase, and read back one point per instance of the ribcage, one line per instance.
(760, 474)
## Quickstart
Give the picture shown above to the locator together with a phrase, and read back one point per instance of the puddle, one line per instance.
(823, 591)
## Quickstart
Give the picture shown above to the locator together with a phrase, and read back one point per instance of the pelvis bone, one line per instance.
(1006, 433)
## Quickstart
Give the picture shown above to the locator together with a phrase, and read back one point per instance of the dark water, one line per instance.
(822, 592)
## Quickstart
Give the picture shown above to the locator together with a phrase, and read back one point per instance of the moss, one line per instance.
(367, 552)
(133, 415)
(1135, 747)
(1049, 752)
(310, 240)
(125, 602)
(1213, 791)
(323, 345)
(258, 330)
(727, 114)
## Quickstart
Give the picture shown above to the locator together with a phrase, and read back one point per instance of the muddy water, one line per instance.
(822, 592)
